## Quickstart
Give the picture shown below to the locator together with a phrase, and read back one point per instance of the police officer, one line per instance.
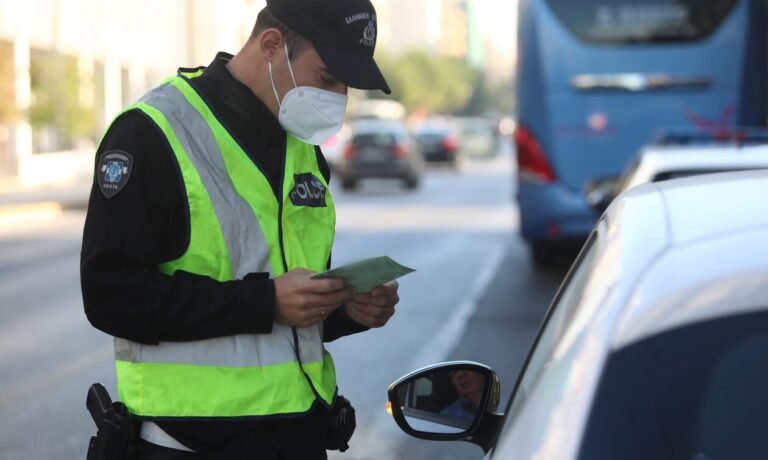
(209, 213)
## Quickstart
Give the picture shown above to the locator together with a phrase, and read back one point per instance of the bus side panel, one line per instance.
(539, 204)
(753, 104)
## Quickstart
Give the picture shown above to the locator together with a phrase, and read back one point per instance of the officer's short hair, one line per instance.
(266, 20)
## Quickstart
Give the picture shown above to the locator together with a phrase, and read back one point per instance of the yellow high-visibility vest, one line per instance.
(237, 226)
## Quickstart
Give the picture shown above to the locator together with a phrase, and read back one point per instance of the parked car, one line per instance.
(380, 149)
(438, 142)
(685, 153)
(655, 346)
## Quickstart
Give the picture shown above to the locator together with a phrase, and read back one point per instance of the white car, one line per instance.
(333, 147)
(655, 347)
(682, 154)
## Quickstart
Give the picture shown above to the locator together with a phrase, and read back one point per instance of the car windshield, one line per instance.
(381, 139)
(558, 318)
(695, 392)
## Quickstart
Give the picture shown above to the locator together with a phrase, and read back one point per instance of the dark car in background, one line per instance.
(380, 149)
(439, 143)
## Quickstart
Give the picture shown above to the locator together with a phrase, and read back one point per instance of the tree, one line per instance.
(422, 81)
(440, 84)
(56, 105)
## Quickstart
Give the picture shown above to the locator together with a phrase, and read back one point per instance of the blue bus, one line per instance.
(597, 78)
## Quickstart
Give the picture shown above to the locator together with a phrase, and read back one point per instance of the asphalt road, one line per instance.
(474, 296)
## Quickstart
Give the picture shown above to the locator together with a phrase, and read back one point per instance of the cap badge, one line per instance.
(369, 35)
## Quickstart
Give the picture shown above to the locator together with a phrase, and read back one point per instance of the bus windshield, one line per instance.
(641, 21)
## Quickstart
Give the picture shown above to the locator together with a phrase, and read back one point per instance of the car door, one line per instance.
(521, 420)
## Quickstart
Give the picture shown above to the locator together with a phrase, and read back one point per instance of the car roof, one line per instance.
(376, 125)
(660, 159)
(696, 155)
(695, 233)
(434, 126)
(707, 205)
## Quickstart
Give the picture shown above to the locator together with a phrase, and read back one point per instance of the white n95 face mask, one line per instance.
(311, 114)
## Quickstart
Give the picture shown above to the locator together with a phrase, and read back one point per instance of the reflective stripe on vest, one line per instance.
(236, 224)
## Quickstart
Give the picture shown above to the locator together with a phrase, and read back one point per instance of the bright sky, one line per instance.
(499, 19)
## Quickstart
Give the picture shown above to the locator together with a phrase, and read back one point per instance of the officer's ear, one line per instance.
(271, 43)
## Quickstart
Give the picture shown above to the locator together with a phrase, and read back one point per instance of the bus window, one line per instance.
(641, 21)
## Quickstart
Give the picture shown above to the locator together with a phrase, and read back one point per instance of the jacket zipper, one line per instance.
(285, 265)
(283, 154)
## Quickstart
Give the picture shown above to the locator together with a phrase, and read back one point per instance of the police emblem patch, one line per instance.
(114, 170)
(307, 191)
(369, 35)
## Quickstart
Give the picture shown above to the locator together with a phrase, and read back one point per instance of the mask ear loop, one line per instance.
(272, 80)
(290, 69)
(274, 89)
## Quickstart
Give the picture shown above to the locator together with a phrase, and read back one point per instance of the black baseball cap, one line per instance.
(342, 31)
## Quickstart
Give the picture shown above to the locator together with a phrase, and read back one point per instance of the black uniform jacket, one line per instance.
(146, 223)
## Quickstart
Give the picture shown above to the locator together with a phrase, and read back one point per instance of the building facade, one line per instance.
(67, 67)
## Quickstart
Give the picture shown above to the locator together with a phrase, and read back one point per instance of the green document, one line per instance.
(364, 275)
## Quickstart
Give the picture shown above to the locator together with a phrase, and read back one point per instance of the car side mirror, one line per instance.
(449, 401)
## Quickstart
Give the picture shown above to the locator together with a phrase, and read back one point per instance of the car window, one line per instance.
(380, 139)
(558, 317)
(431, 134)
(641, 21)
(697, 392)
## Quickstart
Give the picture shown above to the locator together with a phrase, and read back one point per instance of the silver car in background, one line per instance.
(478, 136)
(655, 346)
(379, 148)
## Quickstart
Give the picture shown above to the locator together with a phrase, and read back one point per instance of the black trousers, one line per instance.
(153, 452)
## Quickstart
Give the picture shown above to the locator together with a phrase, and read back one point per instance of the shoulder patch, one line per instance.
(114, 171)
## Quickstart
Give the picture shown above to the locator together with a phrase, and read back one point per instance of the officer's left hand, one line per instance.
(375, 308)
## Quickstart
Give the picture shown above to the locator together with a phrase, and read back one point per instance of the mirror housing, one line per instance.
(450, 401)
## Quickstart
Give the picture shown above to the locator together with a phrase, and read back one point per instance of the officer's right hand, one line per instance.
(302, 301)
